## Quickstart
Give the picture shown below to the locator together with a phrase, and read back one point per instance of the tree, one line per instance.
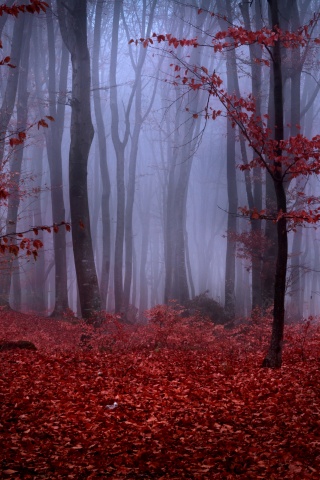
(283, 159)
(119, 146)
(16, 161)
(139, 118)
(12, 242)
(73, 25)
(105, 177)
(54, 141)
(274, 355)
(9, 98)
(182, 151)
(230, 279)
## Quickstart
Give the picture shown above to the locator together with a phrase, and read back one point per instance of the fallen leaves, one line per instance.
(181, 412)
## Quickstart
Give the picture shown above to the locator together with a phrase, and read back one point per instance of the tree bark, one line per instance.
(73, 24)
(15, 164)
(105, 177)
(273, 358)
(256, 225)
(54, 141)
(230, 277)
(139, 119)
(12, 82)
(295, 93)
(119, 147)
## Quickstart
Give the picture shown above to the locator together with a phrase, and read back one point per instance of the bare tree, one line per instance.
(73, 25)
(105, 177)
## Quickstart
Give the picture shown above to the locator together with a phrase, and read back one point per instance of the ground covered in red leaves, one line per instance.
(193, 401)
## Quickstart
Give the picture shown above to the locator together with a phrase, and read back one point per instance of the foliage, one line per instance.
(194, 407)
(15, 242)
(299, 155)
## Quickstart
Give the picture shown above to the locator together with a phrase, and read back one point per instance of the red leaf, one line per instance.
(42, 123)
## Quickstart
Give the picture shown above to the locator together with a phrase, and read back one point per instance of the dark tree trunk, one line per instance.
(105, 178)
(273, 358)
(73, 24)
(270, 252)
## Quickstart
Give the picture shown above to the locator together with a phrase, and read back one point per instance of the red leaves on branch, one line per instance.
(236, 36)
(19, 138)
(11, 243)
(6, 61)
(168, 38)
(35, 6)
(191, 404)
(42, 123)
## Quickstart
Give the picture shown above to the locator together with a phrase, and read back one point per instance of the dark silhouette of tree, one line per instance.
(73, 25)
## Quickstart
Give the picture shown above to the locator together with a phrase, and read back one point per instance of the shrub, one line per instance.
(208, 308)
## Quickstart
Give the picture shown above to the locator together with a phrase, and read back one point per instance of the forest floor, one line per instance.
(193, 401)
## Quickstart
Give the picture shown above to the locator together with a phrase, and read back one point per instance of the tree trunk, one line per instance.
(256, 226)
(186, 130)
(138, 122)
(12, 82)
(230, 277)
(54, 141)
(105, 178)
(73, 24)
(296, 70)
(270, 252)
(273, 358)
(15, 164)
(36, 269)
(119, 147)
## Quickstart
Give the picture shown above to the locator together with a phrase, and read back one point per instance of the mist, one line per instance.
(132, 158)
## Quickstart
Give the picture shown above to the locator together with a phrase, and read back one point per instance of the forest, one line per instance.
(159, 243)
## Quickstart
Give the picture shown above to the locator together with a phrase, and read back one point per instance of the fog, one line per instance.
(150, 184)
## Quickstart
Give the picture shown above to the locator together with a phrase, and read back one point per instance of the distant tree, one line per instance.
(119, 147)
(102, 144)
(54, 143)
(13, 241)
(140, 117)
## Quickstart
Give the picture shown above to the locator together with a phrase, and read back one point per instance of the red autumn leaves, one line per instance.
(190, 405)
